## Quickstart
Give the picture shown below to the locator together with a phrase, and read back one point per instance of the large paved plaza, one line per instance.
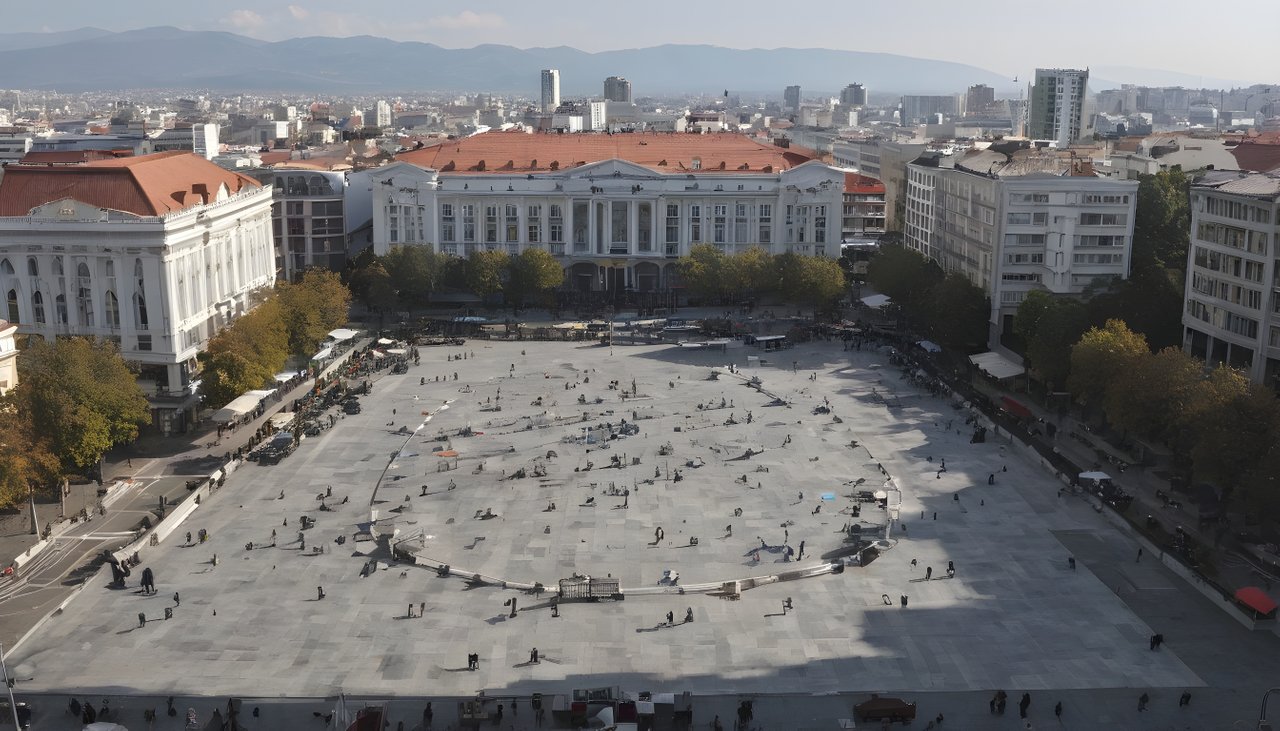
(1014, 615)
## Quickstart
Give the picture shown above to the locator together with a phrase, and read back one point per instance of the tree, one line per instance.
(317, 304)
(1150, 303)
(80, 397)
(486, 271)
(534, 273)
(1149, 397)
(958, 313)
(1056, 330)
(1236, 436)
(28, 465)
(751, 272)
(1100, 356)
(813, 281)
(703, 271)
(245, 355)
(416, 272)
(1162, 221)
(1026, 321)
(373, 286)
(224, 376)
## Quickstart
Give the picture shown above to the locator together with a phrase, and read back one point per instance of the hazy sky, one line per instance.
(1230, 40)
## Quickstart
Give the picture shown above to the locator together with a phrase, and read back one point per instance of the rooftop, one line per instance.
(857, 183)
(1255, 185)
(1261, 153)
(665, 153)
(150, 185)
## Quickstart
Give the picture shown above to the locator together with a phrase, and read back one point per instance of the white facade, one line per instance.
(613, 224)
(160, 286)
(598, 113)
(382, 114)
(8, 357)
(1233, 281)
(14, 147)
(550, 91)
(1060, 108)
(1016, 233)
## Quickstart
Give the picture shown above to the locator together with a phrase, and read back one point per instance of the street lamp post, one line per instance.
(13, 705)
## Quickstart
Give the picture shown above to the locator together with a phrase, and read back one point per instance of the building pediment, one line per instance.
(611, 169)
(70, 209)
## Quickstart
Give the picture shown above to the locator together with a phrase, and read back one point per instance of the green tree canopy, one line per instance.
(904, 275)
(957, 313)
(1100, 356)
(245, 355)
(81, 397)
(752, 271)
(534, 273)
(1056, 330)
(317, 304)
(416, 272)
(703, 271)
(1149, 397)
(814, 281)
(1236, 436)
(1162, 221)
(486, 271)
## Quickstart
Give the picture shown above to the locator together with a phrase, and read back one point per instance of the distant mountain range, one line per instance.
(90, 59)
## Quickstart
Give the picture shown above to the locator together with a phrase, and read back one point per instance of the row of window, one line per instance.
(1097, 258)
(1223, 319)
(1239, 210)
(1223, 290)
(84, 309)
(1228, 264)
(1254, 242)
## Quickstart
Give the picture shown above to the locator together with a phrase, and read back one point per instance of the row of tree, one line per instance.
(75, 399)
(293, 320)
(1221, 427)
(708, 274)
(407, 276)
(948, 308)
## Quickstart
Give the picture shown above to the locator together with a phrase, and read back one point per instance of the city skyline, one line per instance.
(1024, 42)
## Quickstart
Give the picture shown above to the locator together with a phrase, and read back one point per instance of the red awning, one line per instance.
(1255, 599)
(1015, 408)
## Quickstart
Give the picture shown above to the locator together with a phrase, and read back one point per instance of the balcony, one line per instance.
(556, 249)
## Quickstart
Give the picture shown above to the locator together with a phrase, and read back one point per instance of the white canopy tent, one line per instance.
(929, 346)
(241, 405)
(324, 354)
(343, 334)
(876, 300)
(997, 366)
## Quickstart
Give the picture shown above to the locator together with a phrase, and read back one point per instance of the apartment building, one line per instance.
(1232, 313)
(1016, 222)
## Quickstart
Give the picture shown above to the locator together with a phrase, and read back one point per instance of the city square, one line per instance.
(285, 621)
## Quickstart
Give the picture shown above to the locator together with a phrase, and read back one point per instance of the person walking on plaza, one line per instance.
(1023, 705)
(1143, 700)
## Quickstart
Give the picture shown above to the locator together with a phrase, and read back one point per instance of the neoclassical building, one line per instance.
(153, 252)
(616, 209)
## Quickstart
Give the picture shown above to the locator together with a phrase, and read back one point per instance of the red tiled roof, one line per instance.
(150, 185)
(858, 183)
(519, 152)
(1258, 155)
(72, 157)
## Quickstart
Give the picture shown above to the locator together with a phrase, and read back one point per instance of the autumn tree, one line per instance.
(416, 272)
(80, 397)
(957, 313)
(751, 272)
(1235, 436)
(534, 273)
(1150, 397)
(29, 465)
(311, 308)
(814, 281)
(1100, 356)
(1050, 327)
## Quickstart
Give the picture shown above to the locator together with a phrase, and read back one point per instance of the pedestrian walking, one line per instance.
(1023, 705)
(1142, 701)
(1152, 642)
(800, 555)
(1057, 710)
(533, 656)
(1184, 699)
(1139, 560)
(928, 573)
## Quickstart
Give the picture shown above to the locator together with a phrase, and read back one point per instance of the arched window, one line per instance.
(137, 270)
(112, 313)
(60, 304)
(57, 266)
(13, 305)
(33, 268)
(5, 267)
(84, 296)
(139, 312)
(37, 307)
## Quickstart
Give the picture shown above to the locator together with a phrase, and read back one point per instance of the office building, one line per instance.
(201, 139)
(616, 210)
(1060, 108)
(154, 252)
(791, 100)
(1020, 221)
(550, 91)
(617, 89)
(863, 212)
(978, 100)
(382, 114)
(927, 109)
(885, 161)
(853, 95)
(1232, 274)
